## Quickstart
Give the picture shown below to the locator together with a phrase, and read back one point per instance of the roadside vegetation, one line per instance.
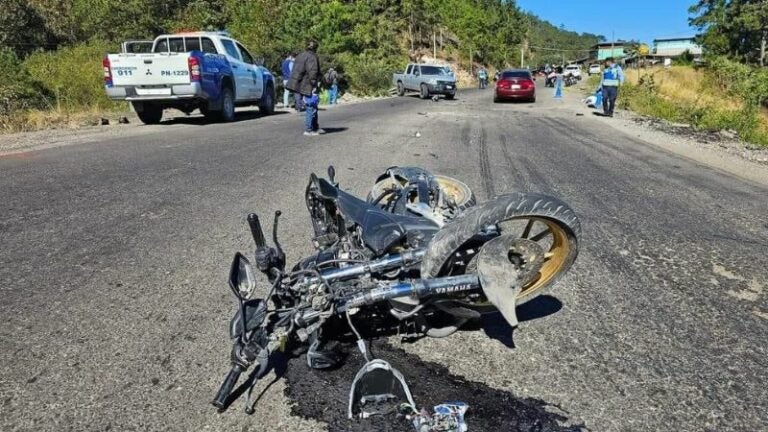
(729, 91)
(51, 50)
(725, 95)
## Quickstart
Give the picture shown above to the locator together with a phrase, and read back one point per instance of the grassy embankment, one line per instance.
(61, 88)
(723, 96)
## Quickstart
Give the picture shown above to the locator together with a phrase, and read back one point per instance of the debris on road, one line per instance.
(378, 389)
(447, 417)
(123, 120)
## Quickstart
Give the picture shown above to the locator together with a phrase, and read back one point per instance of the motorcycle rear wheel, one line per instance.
(457, 190)
(540, 218)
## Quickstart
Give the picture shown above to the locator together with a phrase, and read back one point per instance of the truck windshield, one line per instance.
(433, 70)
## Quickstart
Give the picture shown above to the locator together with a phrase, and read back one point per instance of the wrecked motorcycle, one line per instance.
(419, 252)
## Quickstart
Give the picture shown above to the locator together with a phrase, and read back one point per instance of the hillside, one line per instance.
(51, 48)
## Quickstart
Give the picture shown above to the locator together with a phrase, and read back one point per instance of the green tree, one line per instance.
(22, 29)
(736, 28)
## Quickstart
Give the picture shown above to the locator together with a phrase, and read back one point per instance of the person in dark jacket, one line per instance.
(304, 80)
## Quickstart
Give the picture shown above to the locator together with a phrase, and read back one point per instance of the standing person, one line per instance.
(332, 81)
(558, 82)
(613, 77)
(287, 67)
(298, 103)
(482, 76)
(304, 79)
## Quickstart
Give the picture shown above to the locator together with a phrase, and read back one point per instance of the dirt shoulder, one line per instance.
(721, 150)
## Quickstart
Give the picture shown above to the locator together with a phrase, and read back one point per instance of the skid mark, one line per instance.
(465, 138)
(485, 165)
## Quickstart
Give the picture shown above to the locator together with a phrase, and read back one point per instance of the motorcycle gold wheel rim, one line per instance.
(554, 259)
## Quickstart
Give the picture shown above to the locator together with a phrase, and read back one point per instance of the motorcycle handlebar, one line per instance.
(256, 232)
(226, 387)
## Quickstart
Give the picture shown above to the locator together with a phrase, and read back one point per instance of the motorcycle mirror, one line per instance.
(331, 173)
(241, 279)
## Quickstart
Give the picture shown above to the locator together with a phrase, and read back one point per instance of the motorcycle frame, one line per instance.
(416, 288)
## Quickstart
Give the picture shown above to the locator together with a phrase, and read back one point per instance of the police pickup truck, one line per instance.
(428, 80)
(201, 70)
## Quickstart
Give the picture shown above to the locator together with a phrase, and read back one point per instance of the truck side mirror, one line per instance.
(258, 61)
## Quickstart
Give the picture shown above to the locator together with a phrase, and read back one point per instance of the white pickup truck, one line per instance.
(201, 70)
(428, 80)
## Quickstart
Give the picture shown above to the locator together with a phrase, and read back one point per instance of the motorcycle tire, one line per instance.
(459, 192)
(516, 210)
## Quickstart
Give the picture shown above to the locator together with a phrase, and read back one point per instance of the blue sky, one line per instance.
(629, 19)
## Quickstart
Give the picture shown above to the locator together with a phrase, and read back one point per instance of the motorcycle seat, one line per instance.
(381, 230)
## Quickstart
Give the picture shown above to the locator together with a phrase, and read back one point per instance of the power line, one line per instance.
(558, 49)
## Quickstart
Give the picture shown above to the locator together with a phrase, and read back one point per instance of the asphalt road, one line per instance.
(113, 262)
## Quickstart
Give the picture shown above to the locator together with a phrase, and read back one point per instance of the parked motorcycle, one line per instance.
(419, 254)
(570, 80)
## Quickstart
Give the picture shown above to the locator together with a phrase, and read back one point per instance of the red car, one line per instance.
(516, 84)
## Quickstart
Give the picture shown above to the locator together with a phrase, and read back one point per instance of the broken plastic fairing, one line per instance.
(377, 389)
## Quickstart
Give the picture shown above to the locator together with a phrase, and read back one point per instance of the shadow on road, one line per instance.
(323, 396)
(496, 327)
(199, 120)
(331, 130)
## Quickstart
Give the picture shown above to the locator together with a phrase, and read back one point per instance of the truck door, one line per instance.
(407, 76)
(243, 79)
(257, 85)
(415, 77)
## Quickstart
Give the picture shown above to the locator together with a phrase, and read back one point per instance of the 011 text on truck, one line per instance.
(208, 71)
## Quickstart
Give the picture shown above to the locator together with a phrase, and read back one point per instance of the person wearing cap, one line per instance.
(304, 80)
(613, 77)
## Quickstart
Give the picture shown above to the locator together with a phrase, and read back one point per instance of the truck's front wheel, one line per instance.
(400, 89)
(424, 92)
(148, 113)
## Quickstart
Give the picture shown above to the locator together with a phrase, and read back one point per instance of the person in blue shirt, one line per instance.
(287, 67)
(482, 76)
(613, 77)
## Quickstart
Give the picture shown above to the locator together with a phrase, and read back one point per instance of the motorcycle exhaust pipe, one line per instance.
(416, 288)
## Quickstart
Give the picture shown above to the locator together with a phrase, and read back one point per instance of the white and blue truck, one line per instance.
(208, 71)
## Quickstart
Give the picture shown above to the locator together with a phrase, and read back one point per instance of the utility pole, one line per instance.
(434, 44)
